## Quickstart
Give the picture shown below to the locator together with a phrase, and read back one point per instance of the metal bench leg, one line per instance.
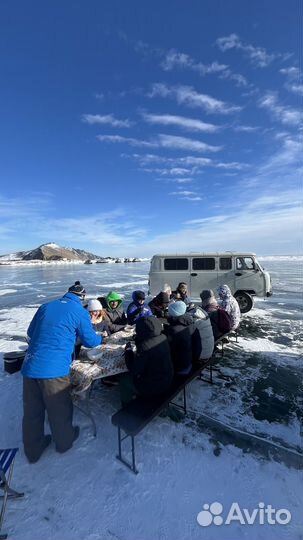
(184, 399)
(132, 465)
(210, 380)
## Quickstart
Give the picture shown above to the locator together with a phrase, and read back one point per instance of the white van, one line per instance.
(240, 271)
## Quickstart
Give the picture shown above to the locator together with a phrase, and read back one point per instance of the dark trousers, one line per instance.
(52, 396)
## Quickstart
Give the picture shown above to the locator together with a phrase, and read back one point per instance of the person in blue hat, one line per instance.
(137, 307)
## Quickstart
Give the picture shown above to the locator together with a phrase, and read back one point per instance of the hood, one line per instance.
(183, 320)
(198, 313)
(224, 292)
(138, 295)
(113, 297)
(148, 327)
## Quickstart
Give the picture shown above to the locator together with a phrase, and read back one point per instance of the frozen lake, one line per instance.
(242, 439)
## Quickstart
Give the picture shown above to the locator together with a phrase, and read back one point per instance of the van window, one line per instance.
(225, 263)
(176, 264)
(245, 263)
(205, 263)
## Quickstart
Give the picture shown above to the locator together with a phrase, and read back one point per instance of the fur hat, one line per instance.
(77, 289)
(207, 297)
(94, 305)
(176, 309)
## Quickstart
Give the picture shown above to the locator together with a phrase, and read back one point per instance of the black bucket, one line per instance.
(13, 361)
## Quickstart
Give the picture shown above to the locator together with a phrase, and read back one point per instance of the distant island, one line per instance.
(53, 253)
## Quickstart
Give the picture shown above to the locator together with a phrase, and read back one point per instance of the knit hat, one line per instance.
(94, 305)
(207, 297)
(162, 298)
(138, 295)
(176, 309)
(77, 289)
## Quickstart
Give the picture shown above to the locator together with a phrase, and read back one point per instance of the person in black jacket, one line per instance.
(179, 332)
(150, 365)
(159, 305)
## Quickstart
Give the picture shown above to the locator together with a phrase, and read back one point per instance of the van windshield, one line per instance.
(245, 263)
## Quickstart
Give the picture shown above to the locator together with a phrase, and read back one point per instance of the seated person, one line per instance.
(137, 308)
(230, 305)
(113, 307)
(181, 293)
(219, 318)
(205, 343)
(99, 320)
(159, 305)
(150, 367)
(179, 333)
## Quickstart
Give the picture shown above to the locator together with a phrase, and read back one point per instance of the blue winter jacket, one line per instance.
(53, 333)
(136, 310)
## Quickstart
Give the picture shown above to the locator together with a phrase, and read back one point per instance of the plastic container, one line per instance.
(13, 361)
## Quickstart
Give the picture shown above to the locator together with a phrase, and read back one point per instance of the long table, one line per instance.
(102, 361)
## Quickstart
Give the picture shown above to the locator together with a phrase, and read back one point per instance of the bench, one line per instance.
(133, 418)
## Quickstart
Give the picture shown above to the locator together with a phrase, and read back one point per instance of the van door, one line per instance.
(248, 276)
(203, 275)
(226, 272)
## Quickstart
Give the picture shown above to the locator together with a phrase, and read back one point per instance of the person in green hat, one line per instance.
(113, 307)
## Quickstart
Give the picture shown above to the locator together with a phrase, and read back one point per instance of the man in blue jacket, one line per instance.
(46, 386)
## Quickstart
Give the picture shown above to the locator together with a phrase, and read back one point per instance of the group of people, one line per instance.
(171, 333)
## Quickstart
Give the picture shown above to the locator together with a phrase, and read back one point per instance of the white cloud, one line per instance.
(180, 121)
(127, 140)
(197, 198)
(183, 192)
(105, 119)
(291, 72)
(287, 158)
(295, 88)
(162, 141)
(257, 55)
(283, 113)
(174, 59)
(182, 143)
(260, 226)
(186, 95)
(246, 129)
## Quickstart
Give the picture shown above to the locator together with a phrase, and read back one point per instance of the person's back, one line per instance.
(179, 333)
(219, 320)
(230, 305)
(53, 333)
(151, 364)
(206, 337)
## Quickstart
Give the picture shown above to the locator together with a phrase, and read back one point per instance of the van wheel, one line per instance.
(245, 301)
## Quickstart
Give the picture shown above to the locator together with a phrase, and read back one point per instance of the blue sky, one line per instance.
(131, 128)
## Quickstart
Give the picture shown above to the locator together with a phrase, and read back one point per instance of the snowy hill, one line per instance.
(50, 252)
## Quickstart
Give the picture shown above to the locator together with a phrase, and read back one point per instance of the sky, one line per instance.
(133, 128)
